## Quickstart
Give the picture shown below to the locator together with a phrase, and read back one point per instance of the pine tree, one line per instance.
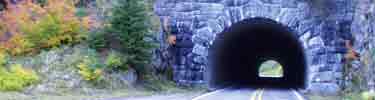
(129, 22)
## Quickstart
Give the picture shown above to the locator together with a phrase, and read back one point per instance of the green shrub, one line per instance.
(91, 68)
(129, 22)
(88, 70)
(53, 31)
(114, 61)
(4, 58)
(17, 78)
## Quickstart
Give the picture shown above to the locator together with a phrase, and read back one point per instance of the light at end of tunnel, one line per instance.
(271, 68)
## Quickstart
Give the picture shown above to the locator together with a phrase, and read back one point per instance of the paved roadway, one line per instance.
(252, 94)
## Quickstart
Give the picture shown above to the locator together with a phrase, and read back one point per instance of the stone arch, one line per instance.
(323, 58)
(237, 53)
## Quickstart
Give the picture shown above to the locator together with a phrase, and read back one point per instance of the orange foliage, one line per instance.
(16, 45)
(26, 18)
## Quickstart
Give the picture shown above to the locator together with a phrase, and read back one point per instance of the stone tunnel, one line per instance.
(238, 52)
(309, 36)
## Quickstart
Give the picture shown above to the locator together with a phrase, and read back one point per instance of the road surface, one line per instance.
(252, 94)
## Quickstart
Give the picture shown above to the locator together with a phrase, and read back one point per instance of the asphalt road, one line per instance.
(252, 94)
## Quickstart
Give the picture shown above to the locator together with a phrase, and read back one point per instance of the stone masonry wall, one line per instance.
(363, 28)
(321, 25)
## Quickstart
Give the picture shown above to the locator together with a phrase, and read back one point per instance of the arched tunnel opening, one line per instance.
(238, 52)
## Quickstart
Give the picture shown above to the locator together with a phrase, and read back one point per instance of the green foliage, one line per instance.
(88, 71)
(368, 95)
(53, 31)
(90, 68)
(41, 2)
(104, 8)
(4, 58)
(114, 61)
(129, 22)
(81, 12)
(97, 40)
(17, 78)
(157, 84)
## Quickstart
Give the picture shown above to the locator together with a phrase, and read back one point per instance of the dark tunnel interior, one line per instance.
(238, 52)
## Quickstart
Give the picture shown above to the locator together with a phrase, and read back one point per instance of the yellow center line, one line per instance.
(254, 95)
(260, 94)
(257, 95)
(299, 97)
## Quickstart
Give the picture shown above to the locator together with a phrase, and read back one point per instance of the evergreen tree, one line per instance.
(130, 23)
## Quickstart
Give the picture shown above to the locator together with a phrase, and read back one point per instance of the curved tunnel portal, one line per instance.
(239, 51)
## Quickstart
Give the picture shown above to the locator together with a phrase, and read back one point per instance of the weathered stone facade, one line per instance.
(363, 28)
(321, 25)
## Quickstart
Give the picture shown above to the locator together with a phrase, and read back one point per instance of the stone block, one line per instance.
(327, 76)
(338, 67)
(200, 50)
(316, 42)
(324, 88)
(334, 58)
(200, 59)
(289, 4)
(232, 3)
(203, 36)
(271, 1)
(215, 26)
(325, 68)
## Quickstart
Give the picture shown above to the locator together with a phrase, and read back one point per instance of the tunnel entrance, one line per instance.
(238, 52)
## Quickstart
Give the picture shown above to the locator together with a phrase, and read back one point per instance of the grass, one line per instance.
(320, 97)
(352, 96)
(100, 96)
(344, 96)
(72, 96)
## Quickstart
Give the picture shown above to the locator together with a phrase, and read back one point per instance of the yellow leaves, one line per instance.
(3, 58)
(17, 78)
(17, 44)
(90, 76)
(84, 71)
(61, 7)
(2, 30)
(56, 41)
(88, 73)
(86, 22)
(19, 41)
(98, 72)
(19, 71)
